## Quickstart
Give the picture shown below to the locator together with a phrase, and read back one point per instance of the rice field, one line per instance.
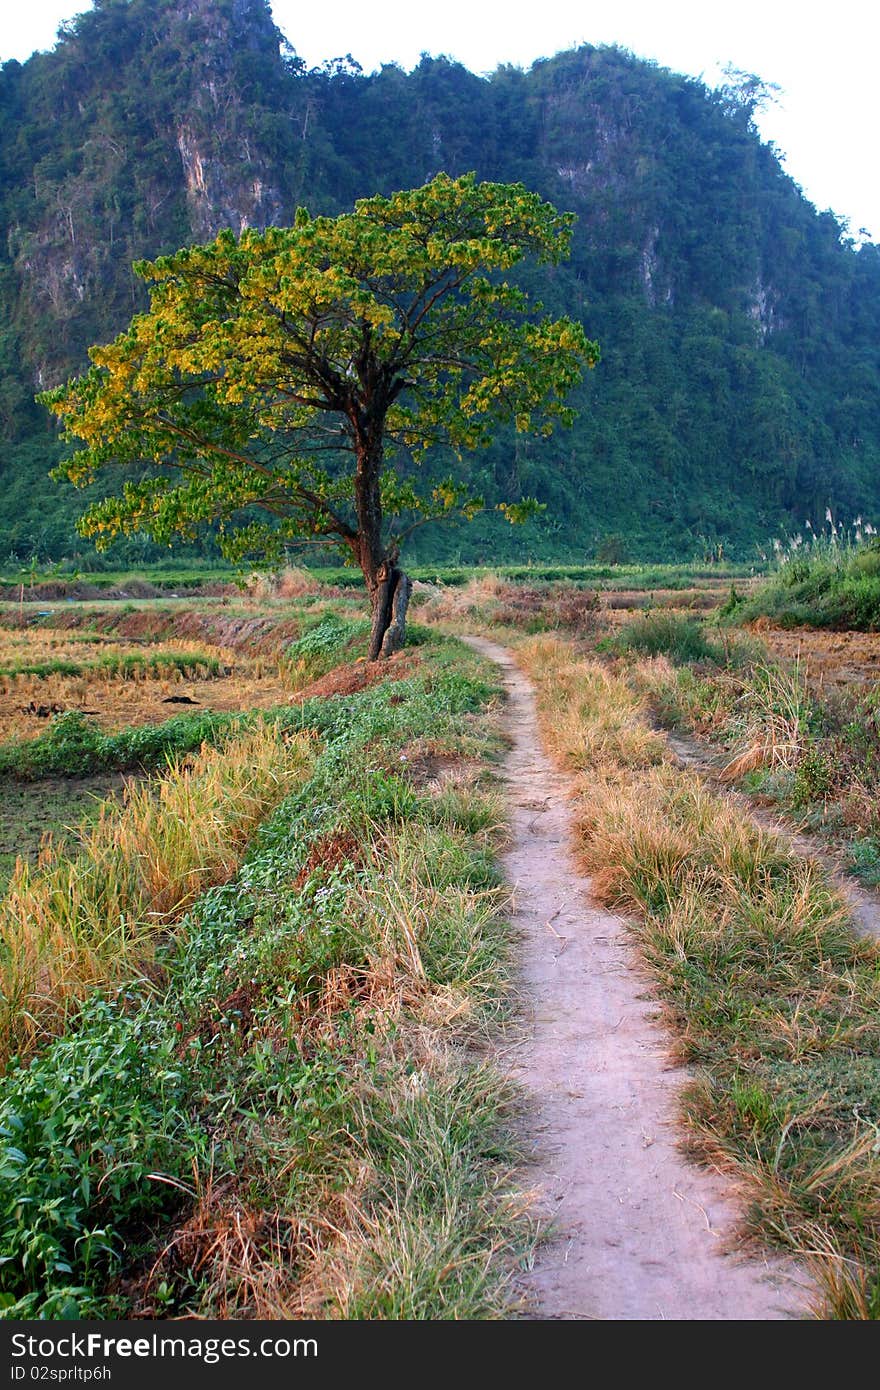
(122, 683)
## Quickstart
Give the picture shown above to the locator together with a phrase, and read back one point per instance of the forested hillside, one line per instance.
(740, 329)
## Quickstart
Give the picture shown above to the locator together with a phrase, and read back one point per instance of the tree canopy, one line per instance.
(307, 371)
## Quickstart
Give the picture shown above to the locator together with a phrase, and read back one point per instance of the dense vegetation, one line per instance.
(739, 327)
(827, 583)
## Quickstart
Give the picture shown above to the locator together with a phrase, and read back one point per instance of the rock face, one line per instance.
(228, 178)
(140, 175)
(740, 329)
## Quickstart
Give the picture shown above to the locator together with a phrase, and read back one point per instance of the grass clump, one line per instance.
(75, 746)
(123, 666)
(487, 601)
(831, 582)
(679, 638)
(590, 715)
(815, 754)
(325, 644)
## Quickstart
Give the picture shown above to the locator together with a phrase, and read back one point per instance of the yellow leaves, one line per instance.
(446, 495)
(282, 330)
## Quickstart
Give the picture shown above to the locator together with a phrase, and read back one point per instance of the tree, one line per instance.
(309, 370)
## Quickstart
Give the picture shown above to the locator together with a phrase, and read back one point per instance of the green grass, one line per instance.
(126, 667)
(628, 576)
(286, 1054)
(75, 746)
(683, 640)
(162, 576)
(644, 576)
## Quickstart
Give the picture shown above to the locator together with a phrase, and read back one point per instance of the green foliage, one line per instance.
(74, 745)
(740, 328)
(666, 634)
(730, 605)
(612, 550)
(393, 326)
(169, 1082)
(111, 664)
(863, 856)
(814, 777)
(829, 582)
(81, 1130)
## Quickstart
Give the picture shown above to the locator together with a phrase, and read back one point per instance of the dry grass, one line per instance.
(589, 715)
(401, 1207)
(772, 996)
(291, 582)
(121, 704)
(776, 710)
(511, 609)
(91, 909)
(766, 716)
(460, 605)
(247, 673)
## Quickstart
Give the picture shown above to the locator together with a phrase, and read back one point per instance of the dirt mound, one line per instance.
(353, 677)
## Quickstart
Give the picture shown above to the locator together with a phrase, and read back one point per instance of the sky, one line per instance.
(824, 120)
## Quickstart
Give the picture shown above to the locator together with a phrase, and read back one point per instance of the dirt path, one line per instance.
(639, 1233)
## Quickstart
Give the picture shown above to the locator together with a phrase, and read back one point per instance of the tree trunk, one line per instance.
(381, 599)
(389, 588)
(395, 633)
(390, 601)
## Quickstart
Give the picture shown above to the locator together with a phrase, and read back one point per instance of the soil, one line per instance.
(31, 810)
(354, 676)
(827, 658)
(637, 1231)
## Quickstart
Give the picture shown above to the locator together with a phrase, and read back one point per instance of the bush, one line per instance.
(821, 585)
(612, 550)
(682, 639)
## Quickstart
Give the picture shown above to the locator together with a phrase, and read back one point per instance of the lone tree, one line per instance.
(306, 371)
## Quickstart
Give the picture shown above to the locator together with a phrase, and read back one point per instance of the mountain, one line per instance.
(739, 389)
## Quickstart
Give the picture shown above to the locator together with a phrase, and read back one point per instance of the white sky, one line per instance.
(823, 57)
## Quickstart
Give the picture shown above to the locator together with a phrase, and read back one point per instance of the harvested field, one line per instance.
(127, 678)
(835, 659)
(121, 704)
(31, 810)
(700, 600)
(703, 598)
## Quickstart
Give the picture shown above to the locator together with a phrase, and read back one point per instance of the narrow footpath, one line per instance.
(638, 1232)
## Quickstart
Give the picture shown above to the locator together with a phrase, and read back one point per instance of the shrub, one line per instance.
(666, 634)
(828, 583)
